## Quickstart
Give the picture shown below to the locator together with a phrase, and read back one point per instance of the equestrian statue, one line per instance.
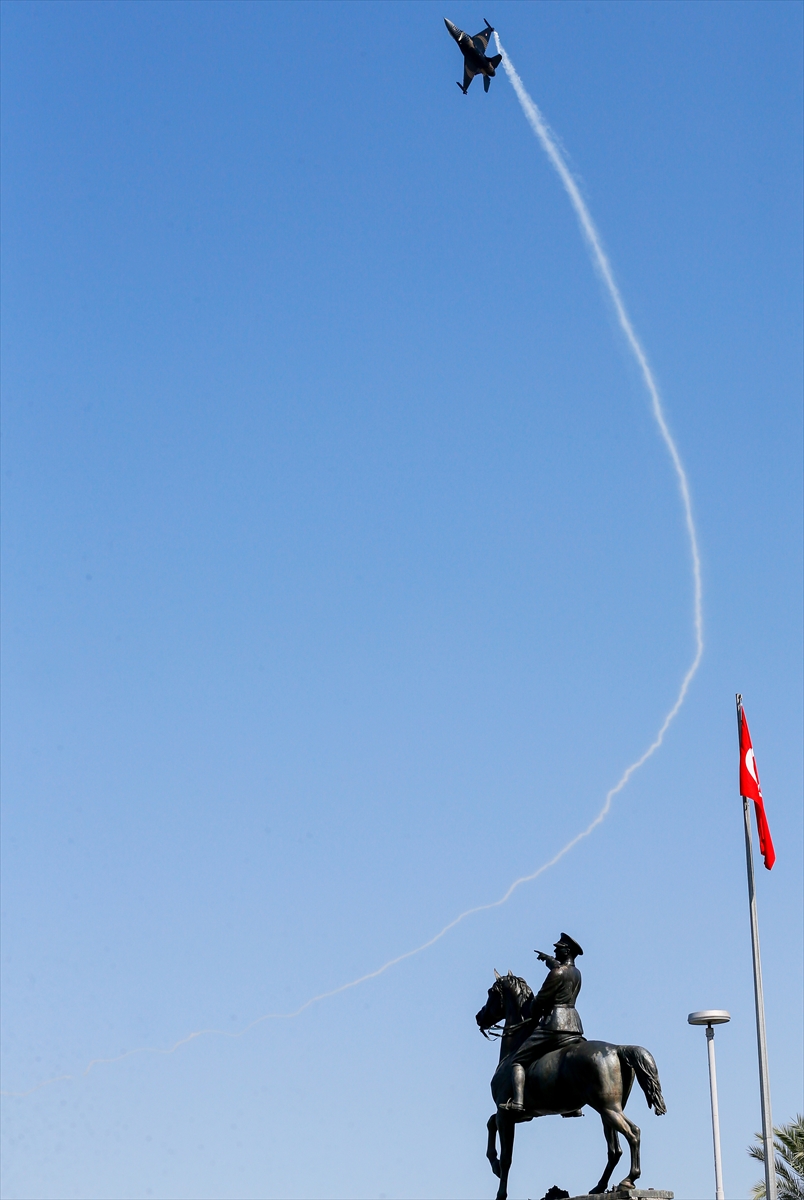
(547, 1067)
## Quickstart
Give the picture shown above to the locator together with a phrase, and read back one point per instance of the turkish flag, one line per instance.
(749, 786)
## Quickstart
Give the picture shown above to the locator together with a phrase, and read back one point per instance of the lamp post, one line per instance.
(711, 1017)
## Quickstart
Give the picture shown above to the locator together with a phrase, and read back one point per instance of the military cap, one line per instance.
(571, 944)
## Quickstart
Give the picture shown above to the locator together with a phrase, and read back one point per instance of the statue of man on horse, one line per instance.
(547, 1067)
(556, 1022)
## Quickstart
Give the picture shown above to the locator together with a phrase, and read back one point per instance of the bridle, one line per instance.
(500, 1030)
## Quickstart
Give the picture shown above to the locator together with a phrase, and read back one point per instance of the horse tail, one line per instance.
(642, 1063)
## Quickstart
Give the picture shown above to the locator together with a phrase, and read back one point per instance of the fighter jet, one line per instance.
(473, 50)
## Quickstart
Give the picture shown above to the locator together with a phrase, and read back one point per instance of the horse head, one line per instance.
(507, 997)
(493, 1010)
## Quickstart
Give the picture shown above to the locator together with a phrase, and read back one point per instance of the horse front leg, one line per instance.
(506, 1127)
(491, 1149)
(615, 1154)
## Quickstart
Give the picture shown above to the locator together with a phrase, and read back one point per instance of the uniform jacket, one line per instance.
(555, 1000)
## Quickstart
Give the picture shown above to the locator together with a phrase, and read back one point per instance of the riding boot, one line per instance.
(517, 1101)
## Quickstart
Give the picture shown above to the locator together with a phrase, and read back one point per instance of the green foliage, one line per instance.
(788, 1142)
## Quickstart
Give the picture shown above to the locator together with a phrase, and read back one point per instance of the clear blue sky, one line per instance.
(345, 571)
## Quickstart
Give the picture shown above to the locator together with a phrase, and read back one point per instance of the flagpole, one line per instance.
(759, 1000)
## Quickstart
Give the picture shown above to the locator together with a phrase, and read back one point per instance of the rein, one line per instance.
(500, 1031)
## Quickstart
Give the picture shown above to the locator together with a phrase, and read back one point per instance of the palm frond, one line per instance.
(788, 1144)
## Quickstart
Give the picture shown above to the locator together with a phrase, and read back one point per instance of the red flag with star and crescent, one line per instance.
(749, 787)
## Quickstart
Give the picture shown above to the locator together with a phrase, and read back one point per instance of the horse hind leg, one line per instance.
(631, 1134)
(615, 1154)
(491, 1150)
(615, 1121)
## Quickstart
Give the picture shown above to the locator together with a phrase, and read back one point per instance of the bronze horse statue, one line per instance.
(562, 1082)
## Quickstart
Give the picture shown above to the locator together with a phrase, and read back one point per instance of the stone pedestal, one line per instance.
(635, 1194)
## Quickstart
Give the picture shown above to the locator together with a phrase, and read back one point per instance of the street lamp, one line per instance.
(711, 1017)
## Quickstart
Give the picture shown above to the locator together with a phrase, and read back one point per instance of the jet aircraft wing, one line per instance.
(481, 40)
(468, 75)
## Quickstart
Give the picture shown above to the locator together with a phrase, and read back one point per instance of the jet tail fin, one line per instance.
(495, 61)
(486, 82)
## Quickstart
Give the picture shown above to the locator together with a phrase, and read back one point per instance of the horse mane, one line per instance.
(521, 989)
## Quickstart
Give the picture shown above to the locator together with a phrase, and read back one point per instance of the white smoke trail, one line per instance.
(392, 962)
(601, 262)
